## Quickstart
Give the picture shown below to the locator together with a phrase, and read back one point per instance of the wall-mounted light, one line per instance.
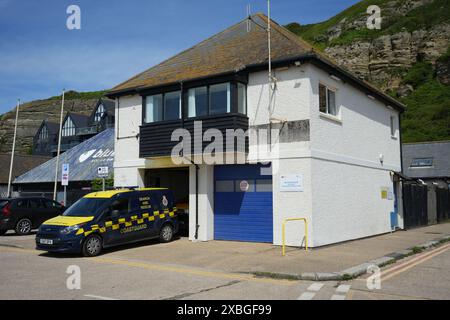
(381, 158)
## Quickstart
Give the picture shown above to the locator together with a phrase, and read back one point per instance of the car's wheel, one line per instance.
(3, 232)
(92, 246)
(24, 226)
(166, 233)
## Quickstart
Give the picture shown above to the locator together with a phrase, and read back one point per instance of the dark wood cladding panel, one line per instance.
(155, 138)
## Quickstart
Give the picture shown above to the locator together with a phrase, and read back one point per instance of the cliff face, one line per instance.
(32, 114)
(409, 57)
(378, 60)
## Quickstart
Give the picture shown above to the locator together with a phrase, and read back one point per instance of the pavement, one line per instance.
(27, 274)
(334, 262)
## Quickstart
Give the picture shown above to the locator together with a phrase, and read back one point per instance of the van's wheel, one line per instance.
(166, 233)
(24, 226)
(92, 246)
(3, 232)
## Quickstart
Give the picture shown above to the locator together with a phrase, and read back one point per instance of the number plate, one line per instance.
(46, 241)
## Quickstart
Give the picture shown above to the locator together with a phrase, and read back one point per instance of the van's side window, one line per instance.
(121, 205)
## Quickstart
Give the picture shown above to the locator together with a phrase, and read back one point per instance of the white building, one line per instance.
(335, 146)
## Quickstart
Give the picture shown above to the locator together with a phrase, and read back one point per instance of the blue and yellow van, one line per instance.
(110, 218)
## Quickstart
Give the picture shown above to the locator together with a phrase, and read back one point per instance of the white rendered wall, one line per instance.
(205, 203)
(347, 175)
(128, 117)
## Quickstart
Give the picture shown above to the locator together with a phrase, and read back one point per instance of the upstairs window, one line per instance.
(43, 135)
(422, 163)
(242, 98)
(172, 105)
(393, 127)
(99, 113)
(161, 107)
(327, 100)
(197, 101)
(219, 98)
(154, 108)
(68, 128)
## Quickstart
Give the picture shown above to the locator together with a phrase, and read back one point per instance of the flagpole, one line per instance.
(13, 150)
(59, 147)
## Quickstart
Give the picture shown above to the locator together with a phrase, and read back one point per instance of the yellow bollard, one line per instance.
(284, 232)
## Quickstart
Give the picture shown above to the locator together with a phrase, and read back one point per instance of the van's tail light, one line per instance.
(6, 211)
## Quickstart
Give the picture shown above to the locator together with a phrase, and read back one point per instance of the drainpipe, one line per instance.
(197, 168)
(197, 226)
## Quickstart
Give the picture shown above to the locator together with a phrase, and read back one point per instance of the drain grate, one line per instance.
(433, 233)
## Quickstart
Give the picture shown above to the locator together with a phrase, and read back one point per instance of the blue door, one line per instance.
(243, 209)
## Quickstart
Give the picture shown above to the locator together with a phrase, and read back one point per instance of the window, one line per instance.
(43, 135)
(327, 100)
(219, 98)
(264, 185)
(99, 113)
(154, 108)
(422, 163)
(392, 124)
(197, 102)
(172, 106)
(51, 204)
(69, 128)
(225, 186)
(161, 107)
(34, 204)
(22, 203)
(242, 98)
(121, 205)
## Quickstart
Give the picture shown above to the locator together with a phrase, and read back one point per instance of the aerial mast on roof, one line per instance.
(249, 17)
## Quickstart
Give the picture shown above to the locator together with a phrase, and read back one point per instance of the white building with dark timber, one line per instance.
(330, 157)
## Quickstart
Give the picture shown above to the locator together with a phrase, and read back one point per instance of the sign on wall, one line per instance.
(65, 174)
(291, 183)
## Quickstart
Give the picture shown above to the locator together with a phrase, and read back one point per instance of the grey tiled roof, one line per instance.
(439, 151)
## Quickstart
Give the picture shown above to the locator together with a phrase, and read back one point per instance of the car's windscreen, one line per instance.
(86, 207)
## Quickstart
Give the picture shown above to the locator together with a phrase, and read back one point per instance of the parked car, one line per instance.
(110, 218)
(25, 214)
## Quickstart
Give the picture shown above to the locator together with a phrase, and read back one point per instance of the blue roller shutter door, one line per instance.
(243, 209)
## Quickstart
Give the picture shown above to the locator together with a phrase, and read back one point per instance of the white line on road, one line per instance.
(307, 296)
(312, 291)
(98, 297)
(343, 289)
(315, 287)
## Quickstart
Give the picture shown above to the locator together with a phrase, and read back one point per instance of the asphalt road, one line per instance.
(29, 274)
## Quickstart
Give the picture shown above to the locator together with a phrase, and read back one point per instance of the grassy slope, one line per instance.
(423, 17)
(428, 115)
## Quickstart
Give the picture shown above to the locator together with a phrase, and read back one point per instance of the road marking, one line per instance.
(98, 297)
(413, 260)
(312, 291)
(341, 291)
(167, 268)
(307, 296)
(315, 287)
(410, 265)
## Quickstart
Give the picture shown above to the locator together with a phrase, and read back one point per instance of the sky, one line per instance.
(39, 55)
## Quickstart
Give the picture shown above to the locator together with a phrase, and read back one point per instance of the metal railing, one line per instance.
(284, 232)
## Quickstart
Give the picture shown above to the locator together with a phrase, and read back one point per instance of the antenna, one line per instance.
(249, 14)
(270, 52)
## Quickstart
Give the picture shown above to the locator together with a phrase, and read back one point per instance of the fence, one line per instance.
(425, 205)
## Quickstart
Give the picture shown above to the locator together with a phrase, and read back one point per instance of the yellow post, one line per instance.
(284, 232)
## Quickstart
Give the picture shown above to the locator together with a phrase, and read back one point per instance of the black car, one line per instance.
(26, 214)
